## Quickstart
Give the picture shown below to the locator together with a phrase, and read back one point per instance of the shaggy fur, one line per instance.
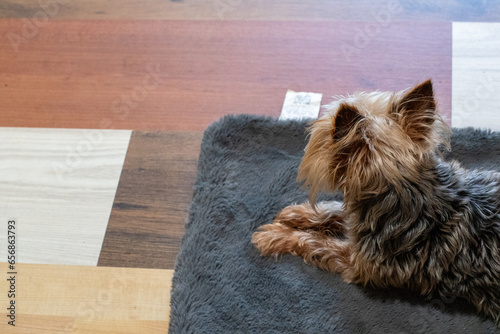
(246, 175)
(409, 219)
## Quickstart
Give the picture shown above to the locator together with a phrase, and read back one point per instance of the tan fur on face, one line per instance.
(378, 146)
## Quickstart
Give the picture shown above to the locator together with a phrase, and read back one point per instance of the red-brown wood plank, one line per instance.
(84, 74)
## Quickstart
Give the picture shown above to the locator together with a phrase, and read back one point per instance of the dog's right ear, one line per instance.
(416, 111)
(347, 116)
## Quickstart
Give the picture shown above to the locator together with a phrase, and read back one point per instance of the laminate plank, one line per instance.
(68, 299)
(476, 75)
(183, 75)
(288, 10)
(59, 185)
(153, 197)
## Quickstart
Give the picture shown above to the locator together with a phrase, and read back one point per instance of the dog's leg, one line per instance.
(324, 251)
(327, 218)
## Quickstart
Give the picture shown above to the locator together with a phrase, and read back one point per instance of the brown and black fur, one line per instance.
(409, 219)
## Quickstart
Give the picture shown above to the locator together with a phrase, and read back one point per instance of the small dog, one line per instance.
(409, 219)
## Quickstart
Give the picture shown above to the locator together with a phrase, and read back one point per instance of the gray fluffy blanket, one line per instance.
(246, 175)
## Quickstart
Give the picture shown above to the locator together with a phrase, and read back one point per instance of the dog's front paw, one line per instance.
(273, 239)
(327, 217)
(295, 215)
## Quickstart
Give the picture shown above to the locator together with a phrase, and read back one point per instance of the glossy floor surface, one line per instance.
(103, 106)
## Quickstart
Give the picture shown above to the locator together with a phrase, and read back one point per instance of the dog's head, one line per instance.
(368, 141)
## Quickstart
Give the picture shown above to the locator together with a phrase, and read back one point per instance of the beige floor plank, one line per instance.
(59, 185)
(67, 299)
(476, 75)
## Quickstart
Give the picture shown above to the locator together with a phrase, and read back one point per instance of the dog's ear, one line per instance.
(347, 116)
(416, 111)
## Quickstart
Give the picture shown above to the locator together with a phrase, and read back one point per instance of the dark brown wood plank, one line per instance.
(94, 74)
(152, 200)
(288, 10)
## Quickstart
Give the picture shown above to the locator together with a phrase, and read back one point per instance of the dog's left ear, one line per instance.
(416, 111)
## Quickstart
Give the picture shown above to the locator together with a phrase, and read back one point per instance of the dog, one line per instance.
(409, 219)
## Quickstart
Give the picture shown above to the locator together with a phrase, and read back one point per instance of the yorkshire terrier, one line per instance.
(409, 219)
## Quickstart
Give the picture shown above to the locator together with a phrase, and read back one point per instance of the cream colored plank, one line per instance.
(68, 299)
(59, 186)
(476, 75)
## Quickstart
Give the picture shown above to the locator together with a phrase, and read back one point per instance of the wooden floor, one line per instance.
(103, 106)
(65, 299)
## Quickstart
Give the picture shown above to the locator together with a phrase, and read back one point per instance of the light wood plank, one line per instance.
(476, 75)
(59, 185)
(66, 299)
(291, 10)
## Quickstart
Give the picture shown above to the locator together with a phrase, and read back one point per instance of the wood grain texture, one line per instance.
(476, 75)
(151, 204)
(183, 75)
(69, 299)
(59, 185)
(290, 10)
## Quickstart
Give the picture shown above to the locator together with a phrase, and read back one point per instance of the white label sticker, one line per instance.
(301, 105)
